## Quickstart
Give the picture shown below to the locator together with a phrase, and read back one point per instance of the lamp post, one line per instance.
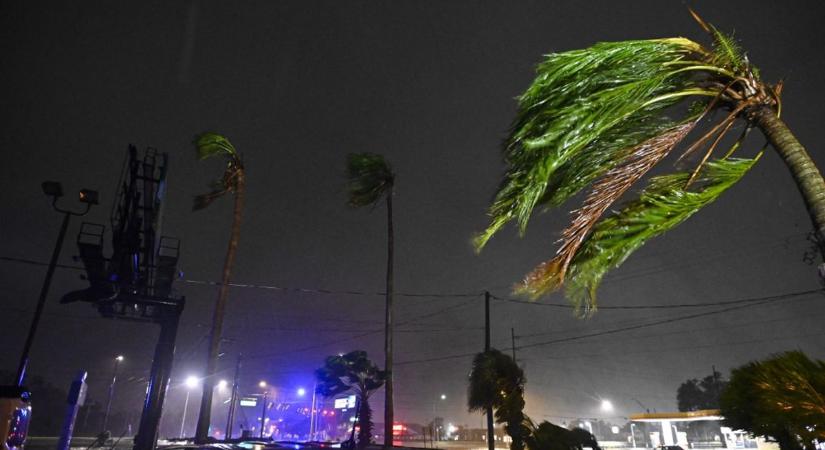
(118, 360)
(191, 383)
(262, 384)
(436, 433)
(54, 190)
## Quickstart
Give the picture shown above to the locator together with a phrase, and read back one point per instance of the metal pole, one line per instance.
(41, 301)
(633, 434)
(263, 414)
(76, 398)
(111, 394)
(491, 437)
(158, 382)
(513, 340)
(313, 418)
(233, 399)
(183, 417)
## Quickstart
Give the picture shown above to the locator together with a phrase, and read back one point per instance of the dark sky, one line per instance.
(298, 85)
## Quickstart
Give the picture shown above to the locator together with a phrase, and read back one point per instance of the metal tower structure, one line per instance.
(135, 282)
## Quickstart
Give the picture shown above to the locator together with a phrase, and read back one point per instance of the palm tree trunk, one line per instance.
(807, 176)
(204, 417)
(388, 391)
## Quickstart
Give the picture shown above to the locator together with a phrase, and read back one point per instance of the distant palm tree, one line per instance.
(497, 382)
(781, 398)
(370, 178)
(597, 117)
(233, 181)
(352, 372)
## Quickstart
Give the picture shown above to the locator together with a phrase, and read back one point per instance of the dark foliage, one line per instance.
(352, 372)
(780, 398)
(694, 394)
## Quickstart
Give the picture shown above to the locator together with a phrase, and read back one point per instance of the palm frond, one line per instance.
(204, 200)
(370, 177)
(211, 144)
(583, 107)
(615, 182)
(664, 204)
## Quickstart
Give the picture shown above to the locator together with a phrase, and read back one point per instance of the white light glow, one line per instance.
(607, 406)
(192, 381)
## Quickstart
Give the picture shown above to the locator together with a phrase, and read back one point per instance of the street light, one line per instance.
(301, 392)
(54, 190)
(190, 383)
(118, 360)
(262, 384)
(607, 406)
(222, 385)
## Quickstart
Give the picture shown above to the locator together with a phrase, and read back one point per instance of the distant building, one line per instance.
(694, 429)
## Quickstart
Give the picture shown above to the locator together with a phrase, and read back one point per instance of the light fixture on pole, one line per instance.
(118, 360)
(54, 190)
(607, 406)
(190, 383)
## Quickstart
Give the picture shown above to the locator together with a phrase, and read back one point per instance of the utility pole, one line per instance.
(233, 399)
(491, 437)
(513, 340)
(263, 414)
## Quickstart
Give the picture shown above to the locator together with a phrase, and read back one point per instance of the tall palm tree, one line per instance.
(781, 398)
(496, 381)
(352, 372)
(370, 178)
(210, 145)
(597, 117)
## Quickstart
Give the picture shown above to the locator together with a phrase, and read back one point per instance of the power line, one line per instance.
(668, 306)
(605, 332)
(278, 288)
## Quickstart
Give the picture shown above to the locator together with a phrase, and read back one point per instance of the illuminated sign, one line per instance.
(249, 401)
(345, 402)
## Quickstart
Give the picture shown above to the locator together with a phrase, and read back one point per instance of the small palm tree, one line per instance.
(597, 117)
(781, 398)
(210, 145)
(370, 178)
(497, 382)
(352, 372)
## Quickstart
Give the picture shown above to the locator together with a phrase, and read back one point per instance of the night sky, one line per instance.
(430, 85)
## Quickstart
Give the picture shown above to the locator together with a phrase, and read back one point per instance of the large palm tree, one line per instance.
(352, 372)
(599, 117)
(781, 398)
(210, 145)
(497, 382)
(370, 179)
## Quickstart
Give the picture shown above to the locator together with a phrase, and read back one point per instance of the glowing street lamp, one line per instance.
(222, 385)
(262, 384)
(301, 392)
(118, 360)
(607, 406)
(190, 383)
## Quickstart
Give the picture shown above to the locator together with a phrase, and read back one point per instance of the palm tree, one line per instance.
(496, 381)
(352, 372)
(233, 181)
(370, 178)
(597, 117)
(781, 398)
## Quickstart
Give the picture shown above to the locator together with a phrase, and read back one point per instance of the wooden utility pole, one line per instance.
(491, 437)
(513, 342)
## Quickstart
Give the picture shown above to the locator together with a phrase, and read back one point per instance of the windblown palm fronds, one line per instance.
(781, 398)
(370, 177)
(209, 145)
(597, 117)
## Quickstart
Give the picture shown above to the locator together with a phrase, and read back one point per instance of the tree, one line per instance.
(370, 178)
(497, 381)
(694, 394)
(548, 436)
(781, 398)
(597, 117)
(208, 145)
(352, 372)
